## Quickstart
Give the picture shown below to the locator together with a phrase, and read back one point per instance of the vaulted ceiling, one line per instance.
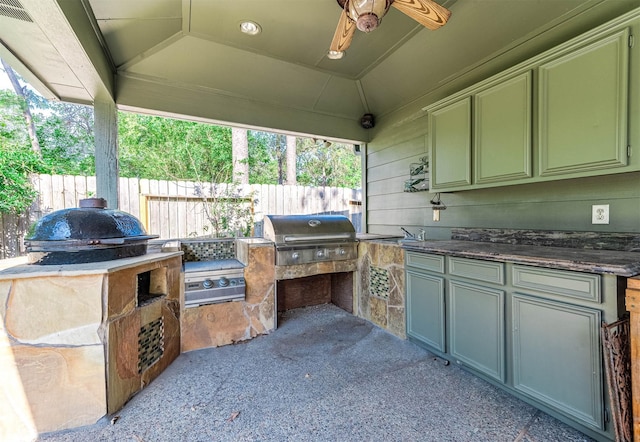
(188, 57)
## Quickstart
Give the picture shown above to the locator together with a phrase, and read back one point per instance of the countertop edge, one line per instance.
(564, 259)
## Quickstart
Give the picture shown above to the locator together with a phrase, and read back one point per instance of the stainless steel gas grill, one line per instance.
(302, 239)
(209, 282)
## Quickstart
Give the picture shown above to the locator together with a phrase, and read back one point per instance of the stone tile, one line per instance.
(123, 379)
(121, 293)
(397, 321)
(214, 325)
(16, 422)
(397, 289)
(5, 288)
(265, 313)
(259, 274)
(64, 386)
(175, 278)
(48, 299)
(378, 308)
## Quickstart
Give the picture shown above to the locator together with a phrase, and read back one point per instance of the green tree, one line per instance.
(17, 159)
(67, 139)
(163, 148)
(321, 164)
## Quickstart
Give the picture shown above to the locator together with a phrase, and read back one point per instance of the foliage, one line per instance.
(16, 164)
(67, 139)
(162, 148)
(17, 160)
(227, 209)
(13, 127)
(155, 147)
(321, 165)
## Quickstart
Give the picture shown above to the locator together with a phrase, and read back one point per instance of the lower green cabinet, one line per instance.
(425, 309)
(532, 331)
(557, 357)
(476, 328)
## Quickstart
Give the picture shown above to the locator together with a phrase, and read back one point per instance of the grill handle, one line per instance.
(326, 237)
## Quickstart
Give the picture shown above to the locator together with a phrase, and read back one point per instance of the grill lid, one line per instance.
(89, 233)
(90, 223)
(308, 229)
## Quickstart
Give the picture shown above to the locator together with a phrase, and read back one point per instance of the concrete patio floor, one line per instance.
(323, 375)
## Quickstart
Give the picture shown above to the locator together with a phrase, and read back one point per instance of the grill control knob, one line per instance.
(234, 282)
(207, 283)
(341, 251)
(320, 254)
(295, 255)
(223, 282)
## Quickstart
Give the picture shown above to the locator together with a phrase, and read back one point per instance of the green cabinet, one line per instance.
(498, 149)
(533, 331)
(557, 358)
(583, 108)
(425, 309)
(483, 137)
(476, 328)
(502, 131)
(450, 141)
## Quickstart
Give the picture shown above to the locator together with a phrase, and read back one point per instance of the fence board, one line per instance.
(69, 191)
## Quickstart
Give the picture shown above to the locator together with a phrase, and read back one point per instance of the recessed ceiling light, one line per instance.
(335, 55)
(250, 27)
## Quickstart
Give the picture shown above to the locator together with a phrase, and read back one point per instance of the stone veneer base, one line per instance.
(61, 346)
(226, 323)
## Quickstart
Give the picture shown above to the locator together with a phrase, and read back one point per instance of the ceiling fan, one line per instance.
(366, 15)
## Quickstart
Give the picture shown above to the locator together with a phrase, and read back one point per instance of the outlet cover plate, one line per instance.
(600, 214)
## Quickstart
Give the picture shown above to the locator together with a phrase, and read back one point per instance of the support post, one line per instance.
(106, 143)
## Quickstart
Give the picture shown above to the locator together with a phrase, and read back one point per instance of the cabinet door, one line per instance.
(583, 108)
(502, 146)
(425, 309)
(557, 356)
(450, 144)
(476, 328)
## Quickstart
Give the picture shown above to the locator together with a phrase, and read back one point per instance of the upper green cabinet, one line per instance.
(583, 108)
(450, 141)
(502, 141)
(562, 114)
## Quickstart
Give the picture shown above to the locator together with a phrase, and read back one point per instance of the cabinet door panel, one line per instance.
(583, 108)
(450, 141)
(425, 309)
(503, 131)
(476, 327)
(557, 356)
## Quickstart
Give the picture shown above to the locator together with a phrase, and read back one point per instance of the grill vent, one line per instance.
(13, 9)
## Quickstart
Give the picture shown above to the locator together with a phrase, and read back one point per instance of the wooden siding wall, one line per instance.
(174, 209)
(555, 205)
(400, 138)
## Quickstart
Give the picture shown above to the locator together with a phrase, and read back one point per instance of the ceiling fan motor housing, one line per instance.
(367, 22)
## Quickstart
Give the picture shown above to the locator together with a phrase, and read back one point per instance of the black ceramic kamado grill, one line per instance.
(304, 239)
(89, 233)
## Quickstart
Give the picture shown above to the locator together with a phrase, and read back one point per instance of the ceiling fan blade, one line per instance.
(344, 33)
(426, 12)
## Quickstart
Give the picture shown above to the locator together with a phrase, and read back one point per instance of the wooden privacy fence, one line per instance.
(176, 209)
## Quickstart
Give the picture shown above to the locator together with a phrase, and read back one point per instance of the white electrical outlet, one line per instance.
(600, 214)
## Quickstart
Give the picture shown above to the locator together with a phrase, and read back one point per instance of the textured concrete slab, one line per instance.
(322, 375)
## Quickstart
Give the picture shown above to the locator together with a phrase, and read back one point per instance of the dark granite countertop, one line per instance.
(564, 258)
